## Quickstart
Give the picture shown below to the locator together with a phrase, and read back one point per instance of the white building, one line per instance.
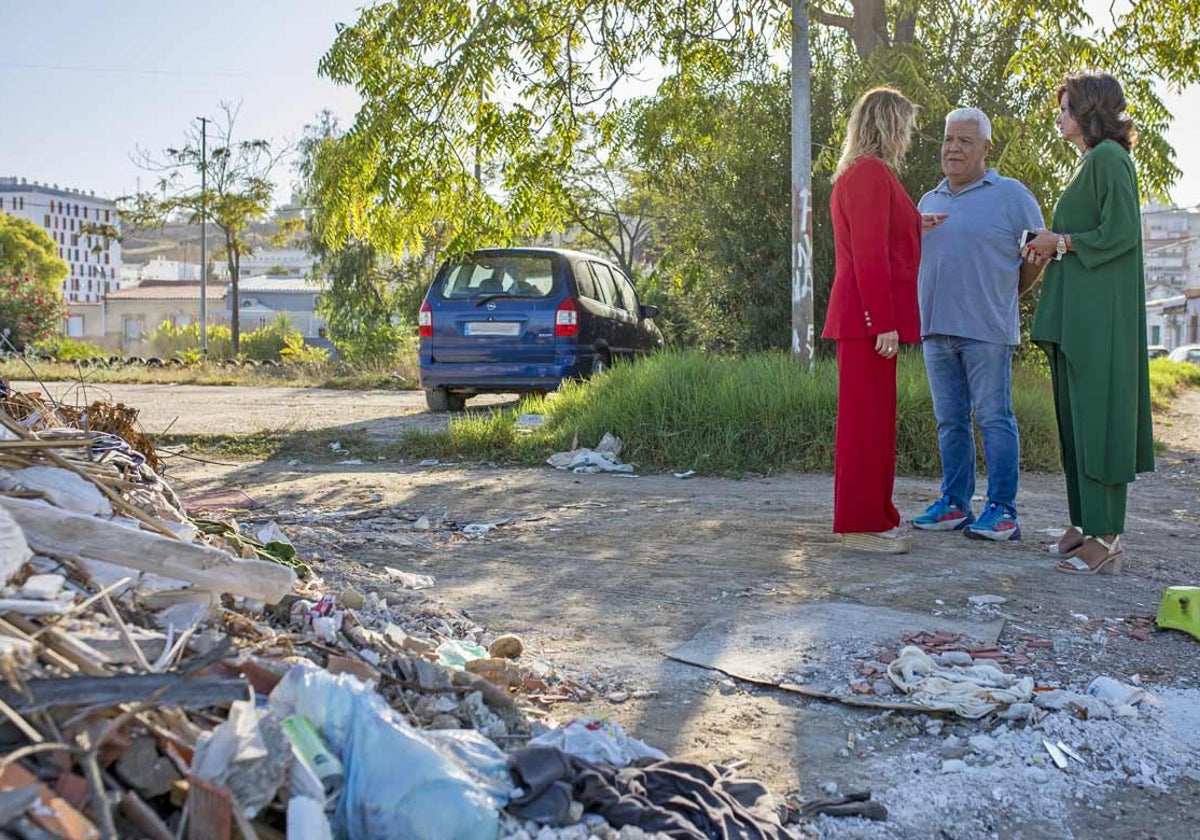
(73, 219)
(1171, 246)
(160, 268)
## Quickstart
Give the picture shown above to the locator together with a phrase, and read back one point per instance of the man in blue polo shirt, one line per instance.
(971, 279)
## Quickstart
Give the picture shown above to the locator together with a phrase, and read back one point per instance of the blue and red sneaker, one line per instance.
(996, 523)
(944, 515)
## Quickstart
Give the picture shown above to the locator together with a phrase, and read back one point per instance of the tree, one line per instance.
(28, 251)
(238, 193)
(609, 204)
(471, 111)
(372, 299)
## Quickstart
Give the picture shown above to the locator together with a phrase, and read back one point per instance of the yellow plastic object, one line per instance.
(1180, 610)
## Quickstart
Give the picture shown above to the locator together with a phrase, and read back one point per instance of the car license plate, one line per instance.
(492, 328)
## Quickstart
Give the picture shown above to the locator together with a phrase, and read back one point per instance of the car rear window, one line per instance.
(514, 276)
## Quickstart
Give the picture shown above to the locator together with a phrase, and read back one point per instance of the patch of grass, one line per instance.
(725, 416)
(1167, 378)
(399, 377)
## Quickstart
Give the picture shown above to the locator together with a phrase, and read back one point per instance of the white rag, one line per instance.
(970, 692)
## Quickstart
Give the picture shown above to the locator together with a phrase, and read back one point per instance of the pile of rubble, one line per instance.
(170, 675)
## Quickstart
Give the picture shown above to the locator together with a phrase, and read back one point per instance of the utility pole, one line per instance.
(802, 285)
(203, 238)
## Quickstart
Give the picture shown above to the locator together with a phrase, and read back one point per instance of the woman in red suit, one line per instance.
(872, 309)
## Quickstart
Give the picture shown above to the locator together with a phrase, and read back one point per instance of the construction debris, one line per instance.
(174, 676)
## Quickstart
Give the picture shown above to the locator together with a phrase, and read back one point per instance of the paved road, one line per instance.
(221, 409)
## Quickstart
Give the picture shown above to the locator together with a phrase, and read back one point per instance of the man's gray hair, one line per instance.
(972, 115)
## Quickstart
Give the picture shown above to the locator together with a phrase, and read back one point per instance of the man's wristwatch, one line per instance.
(1061, 249)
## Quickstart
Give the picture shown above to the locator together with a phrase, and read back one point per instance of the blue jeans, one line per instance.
(964, 376)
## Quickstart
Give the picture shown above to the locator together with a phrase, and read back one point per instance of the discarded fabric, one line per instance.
(969, 692)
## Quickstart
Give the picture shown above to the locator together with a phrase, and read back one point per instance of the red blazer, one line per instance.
(877, 240)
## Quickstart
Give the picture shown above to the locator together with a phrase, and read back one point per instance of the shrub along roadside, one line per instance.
(1167, 378)
(726, 416)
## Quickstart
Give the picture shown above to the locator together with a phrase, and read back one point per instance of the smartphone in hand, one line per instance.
(1027, 236)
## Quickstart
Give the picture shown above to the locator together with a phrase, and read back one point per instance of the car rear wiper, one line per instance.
(482, 299)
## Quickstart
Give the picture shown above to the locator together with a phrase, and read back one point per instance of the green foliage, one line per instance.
(728, 416)
(268, 343)
(471, 112)
(1167, 378)
(296, 352)
(29, 312)
(27, 251)
(167, 341)
(65, 349)
(371, 305)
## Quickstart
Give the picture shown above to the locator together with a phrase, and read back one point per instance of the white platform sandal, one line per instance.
(1112, 564)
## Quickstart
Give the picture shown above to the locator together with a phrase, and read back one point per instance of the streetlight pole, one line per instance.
(802, 286)
(203, 238)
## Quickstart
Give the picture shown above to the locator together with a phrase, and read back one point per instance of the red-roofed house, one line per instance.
(131, 314)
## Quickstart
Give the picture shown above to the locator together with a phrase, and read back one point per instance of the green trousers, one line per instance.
(1096, 509)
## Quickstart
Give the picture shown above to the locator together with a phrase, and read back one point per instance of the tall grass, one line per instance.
(726, 415)
(1167, 378)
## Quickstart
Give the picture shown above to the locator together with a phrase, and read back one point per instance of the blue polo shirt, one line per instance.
(970, 265)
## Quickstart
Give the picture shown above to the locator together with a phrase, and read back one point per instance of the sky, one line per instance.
(83, 83)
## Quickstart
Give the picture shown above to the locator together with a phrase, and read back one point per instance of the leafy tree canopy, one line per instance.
(472, 112)
(28, 251)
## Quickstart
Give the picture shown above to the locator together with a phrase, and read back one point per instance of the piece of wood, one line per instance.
(134, 809)
(67, 535)
(77, 443)
(154, 689)
(209, 811)
(51, 812)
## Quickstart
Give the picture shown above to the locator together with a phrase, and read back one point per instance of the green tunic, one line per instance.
(1093, 308)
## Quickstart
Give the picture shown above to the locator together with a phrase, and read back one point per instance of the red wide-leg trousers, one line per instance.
(864, 460)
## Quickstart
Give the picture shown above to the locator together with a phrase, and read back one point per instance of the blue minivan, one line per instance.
(521, 320)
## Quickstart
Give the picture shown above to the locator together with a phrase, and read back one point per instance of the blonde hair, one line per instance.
(881, 124)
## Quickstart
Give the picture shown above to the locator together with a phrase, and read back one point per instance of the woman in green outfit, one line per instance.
(1091, 322)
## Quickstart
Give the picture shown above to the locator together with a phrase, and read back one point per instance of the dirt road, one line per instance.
(604, 576)
(231, 410)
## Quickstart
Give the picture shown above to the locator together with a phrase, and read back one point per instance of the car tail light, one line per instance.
(566, 320)
(425, 320)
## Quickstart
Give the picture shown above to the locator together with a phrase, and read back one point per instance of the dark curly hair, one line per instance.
(1097, 103)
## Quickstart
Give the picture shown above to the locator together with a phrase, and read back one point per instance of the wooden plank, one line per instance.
(156, 689)
(72, 536)
(76, 443)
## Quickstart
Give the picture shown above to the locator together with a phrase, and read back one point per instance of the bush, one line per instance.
(66, 349)
(729, 415)
(1167, 377)
(29, 313)
(267, 343)
(296, 352)
(167, 340)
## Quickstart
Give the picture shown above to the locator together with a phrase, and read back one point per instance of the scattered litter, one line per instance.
(530, 422)
(409, 580)
(986, 600)
(970, 692)
(1056, 754)
(351, 462)
(604, 458)
(476, 529)
(687, 474)
(429, 462)
(599, 741)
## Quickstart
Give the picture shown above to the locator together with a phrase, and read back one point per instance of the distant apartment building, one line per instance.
(1171, 245)
(73, 219)
(281, 262)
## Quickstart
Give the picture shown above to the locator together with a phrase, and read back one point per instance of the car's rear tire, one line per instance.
(440, 399)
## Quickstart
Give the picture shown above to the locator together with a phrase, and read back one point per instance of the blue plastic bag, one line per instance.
(397, 784)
